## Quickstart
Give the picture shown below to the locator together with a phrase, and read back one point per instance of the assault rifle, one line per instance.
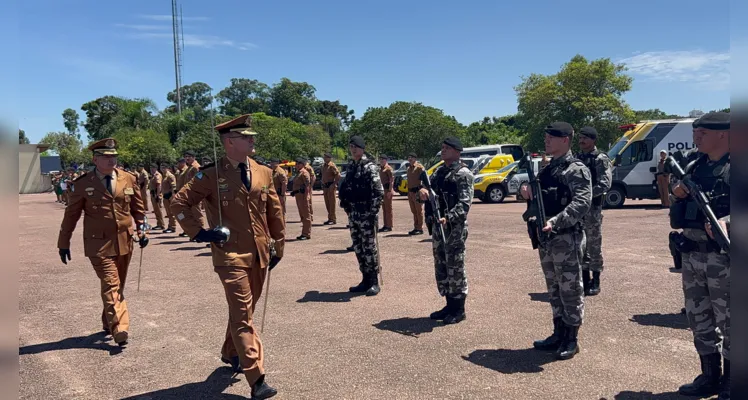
(698, 196)
(535, 214)
(434, 202)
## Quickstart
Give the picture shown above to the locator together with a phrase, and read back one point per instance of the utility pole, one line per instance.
(177, 31)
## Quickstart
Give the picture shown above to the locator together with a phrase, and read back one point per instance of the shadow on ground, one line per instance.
(335, 251)
(648, 396)
(509, 361)
(96, 341)
(675, 320)
(544, 297)
(211, 388)
(408, 326)
(315, 296)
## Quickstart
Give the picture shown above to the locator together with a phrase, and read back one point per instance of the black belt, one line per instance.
(414, 190)
(328, 184)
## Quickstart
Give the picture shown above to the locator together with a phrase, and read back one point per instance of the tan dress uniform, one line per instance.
(190, 173)
(388, 180)
(168, 190)
(312, 181)
(414, 185)
(143, 179)
(107, 233)
(156, 197)
(280, 180)
(330, 178)
(302, 182)
(254, 217)
(180, 174)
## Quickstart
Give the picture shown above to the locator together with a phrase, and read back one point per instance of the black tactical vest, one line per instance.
(556, 195)
(357, 185)
(590, 159)
(713, 179)
(446, 189)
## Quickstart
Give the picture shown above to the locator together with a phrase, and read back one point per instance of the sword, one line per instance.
(143, 228)
(265, 307)
(376, 240)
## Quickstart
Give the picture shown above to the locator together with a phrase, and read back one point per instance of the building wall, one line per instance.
(30, 178)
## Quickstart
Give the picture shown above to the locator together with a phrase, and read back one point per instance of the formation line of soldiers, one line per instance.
(248, 241)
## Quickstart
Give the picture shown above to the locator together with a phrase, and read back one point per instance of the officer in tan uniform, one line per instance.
(252, 213)
(155, 189)
(143, 180)
(181, 175)
(280, 180)
(330, 178)
(312, 181)
(301, 190)
(193, 167)
(110, 199)
(415, 169)
(168, 189)
(388, 183)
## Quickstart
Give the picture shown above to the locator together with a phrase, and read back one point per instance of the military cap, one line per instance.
(358, 141)
(154, 166)
(181, 160)
(300, 160)
(413, 155)
(241, 125)
(383, 157)
(559, 129)
(106, 146)
(189, 153)
(328, 155)
(275, 160)
(715, 120)
(453, 142)
(207, 160)
(588, 131)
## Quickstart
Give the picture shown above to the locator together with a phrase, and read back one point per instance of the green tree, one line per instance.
(144, 146)
(244, 96)
(22, 139)
(405, 127)
(287, 139)
(195, 97)
(67, 146)
(652, 114)
(109, 114)
(491, 130)
(582, 93)
(71, 118)
(294, 100)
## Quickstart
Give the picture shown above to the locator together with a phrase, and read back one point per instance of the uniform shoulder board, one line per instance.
(206, 166)
(80, 177)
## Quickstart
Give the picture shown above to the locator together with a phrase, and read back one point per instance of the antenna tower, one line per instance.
(176, 19)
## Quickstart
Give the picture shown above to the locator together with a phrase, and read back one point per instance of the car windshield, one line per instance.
(613, 152)
(480, 164)
(508, 167)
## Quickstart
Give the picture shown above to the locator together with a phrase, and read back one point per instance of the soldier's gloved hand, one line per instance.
(274, 260)
(65, 255)
(213, 236)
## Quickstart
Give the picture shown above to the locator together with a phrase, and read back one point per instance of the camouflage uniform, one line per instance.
(601, 171)
(453, 186)
(706, 273)
(361, 195)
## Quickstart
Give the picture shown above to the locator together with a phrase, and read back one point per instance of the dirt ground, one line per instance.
(323, 343)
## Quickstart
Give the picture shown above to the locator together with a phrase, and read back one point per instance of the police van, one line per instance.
(636, 155)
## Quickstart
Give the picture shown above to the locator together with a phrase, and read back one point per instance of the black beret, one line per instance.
(588, 131)
(358, 141)
(181, 160)
(717, 121)
(300, 160)
(383, 156)
(275, 160)
(189, 153)
(559, 129)
(453, 142)
(328, 155)
(413, 155)
(154, 166)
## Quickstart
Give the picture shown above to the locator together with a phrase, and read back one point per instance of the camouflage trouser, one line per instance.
(560, 259)
(365, 240)
(593, 255)
(706, 287)
(449, 261)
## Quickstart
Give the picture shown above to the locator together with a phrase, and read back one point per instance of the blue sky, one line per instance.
(462, 57)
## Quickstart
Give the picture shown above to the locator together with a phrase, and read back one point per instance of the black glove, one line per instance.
(143, 241)
(167, 196)
(65, 255)
(273, 262)
(213, 236)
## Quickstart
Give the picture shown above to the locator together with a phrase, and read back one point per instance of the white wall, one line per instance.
(30, 179)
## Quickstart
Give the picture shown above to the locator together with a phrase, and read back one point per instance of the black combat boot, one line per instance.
(457, 313)
(361, 287)
(372, 289)
(569, 346)
(261, 390)
(595, 284)
(441, 314)
(706, 384)
(552, 342)
(724, 393)
(586, 281)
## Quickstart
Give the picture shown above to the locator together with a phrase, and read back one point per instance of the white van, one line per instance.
(636, 155)
(514, 150)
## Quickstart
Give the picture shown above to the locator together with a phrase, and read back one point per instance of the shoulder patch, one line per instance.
(80, 177)
(199, 175)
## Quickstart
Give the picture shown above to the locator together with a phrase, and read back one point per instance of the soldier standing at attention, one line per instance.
(252, 213)
(453, 185)
(663, 180)
(280, 180)
(388, 183)
(361, 196)
(415, 169)
(601, 171)
(330, 178)
(567, 195)
(110, 199)
(193, 167)
(301, 191)
(155, 187)
(169, 189)
(312, 181)
(706, 267)
(180, 174)
(143, 180)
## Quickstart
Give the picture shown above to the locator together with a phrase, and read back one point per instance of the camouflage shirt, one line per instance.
(578, 179)
(458, 176)
(361, 190)
(603, 170)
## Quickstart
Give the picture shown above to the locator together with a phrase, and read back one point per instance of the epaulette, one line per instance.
(80, 177)
(206, 166)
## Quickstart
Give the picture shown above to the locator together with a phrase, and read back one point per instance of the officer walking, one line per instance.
(415, 169)
(706, 267)
(251, 211)
(143, 180)
(601, 170)
(567, 195)
(330, 178)
(388, 183)
(361, 195)
(110, 199)
(280, 180)
(169, 189)
(302, 192)
(155, 187)
(193, 167)
(453, 185)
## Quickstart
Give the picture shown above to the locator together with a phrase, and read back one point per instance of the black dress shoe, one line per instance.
(183, 235)
(302, 237)
(169, 230)
(234, 362)
(261, 390)
(350, 248)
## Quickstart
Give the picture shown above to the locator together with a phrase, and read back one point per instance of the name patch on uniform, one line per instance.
(221, 180)
(199, 175)
(223, 187)
(129, 191)
(180, 216)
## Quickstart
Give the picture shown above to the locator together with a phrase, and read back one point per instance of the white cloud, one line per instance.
(707, 69)
(205, 41)
(144, 27)
(89, 67)
(168, 18)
